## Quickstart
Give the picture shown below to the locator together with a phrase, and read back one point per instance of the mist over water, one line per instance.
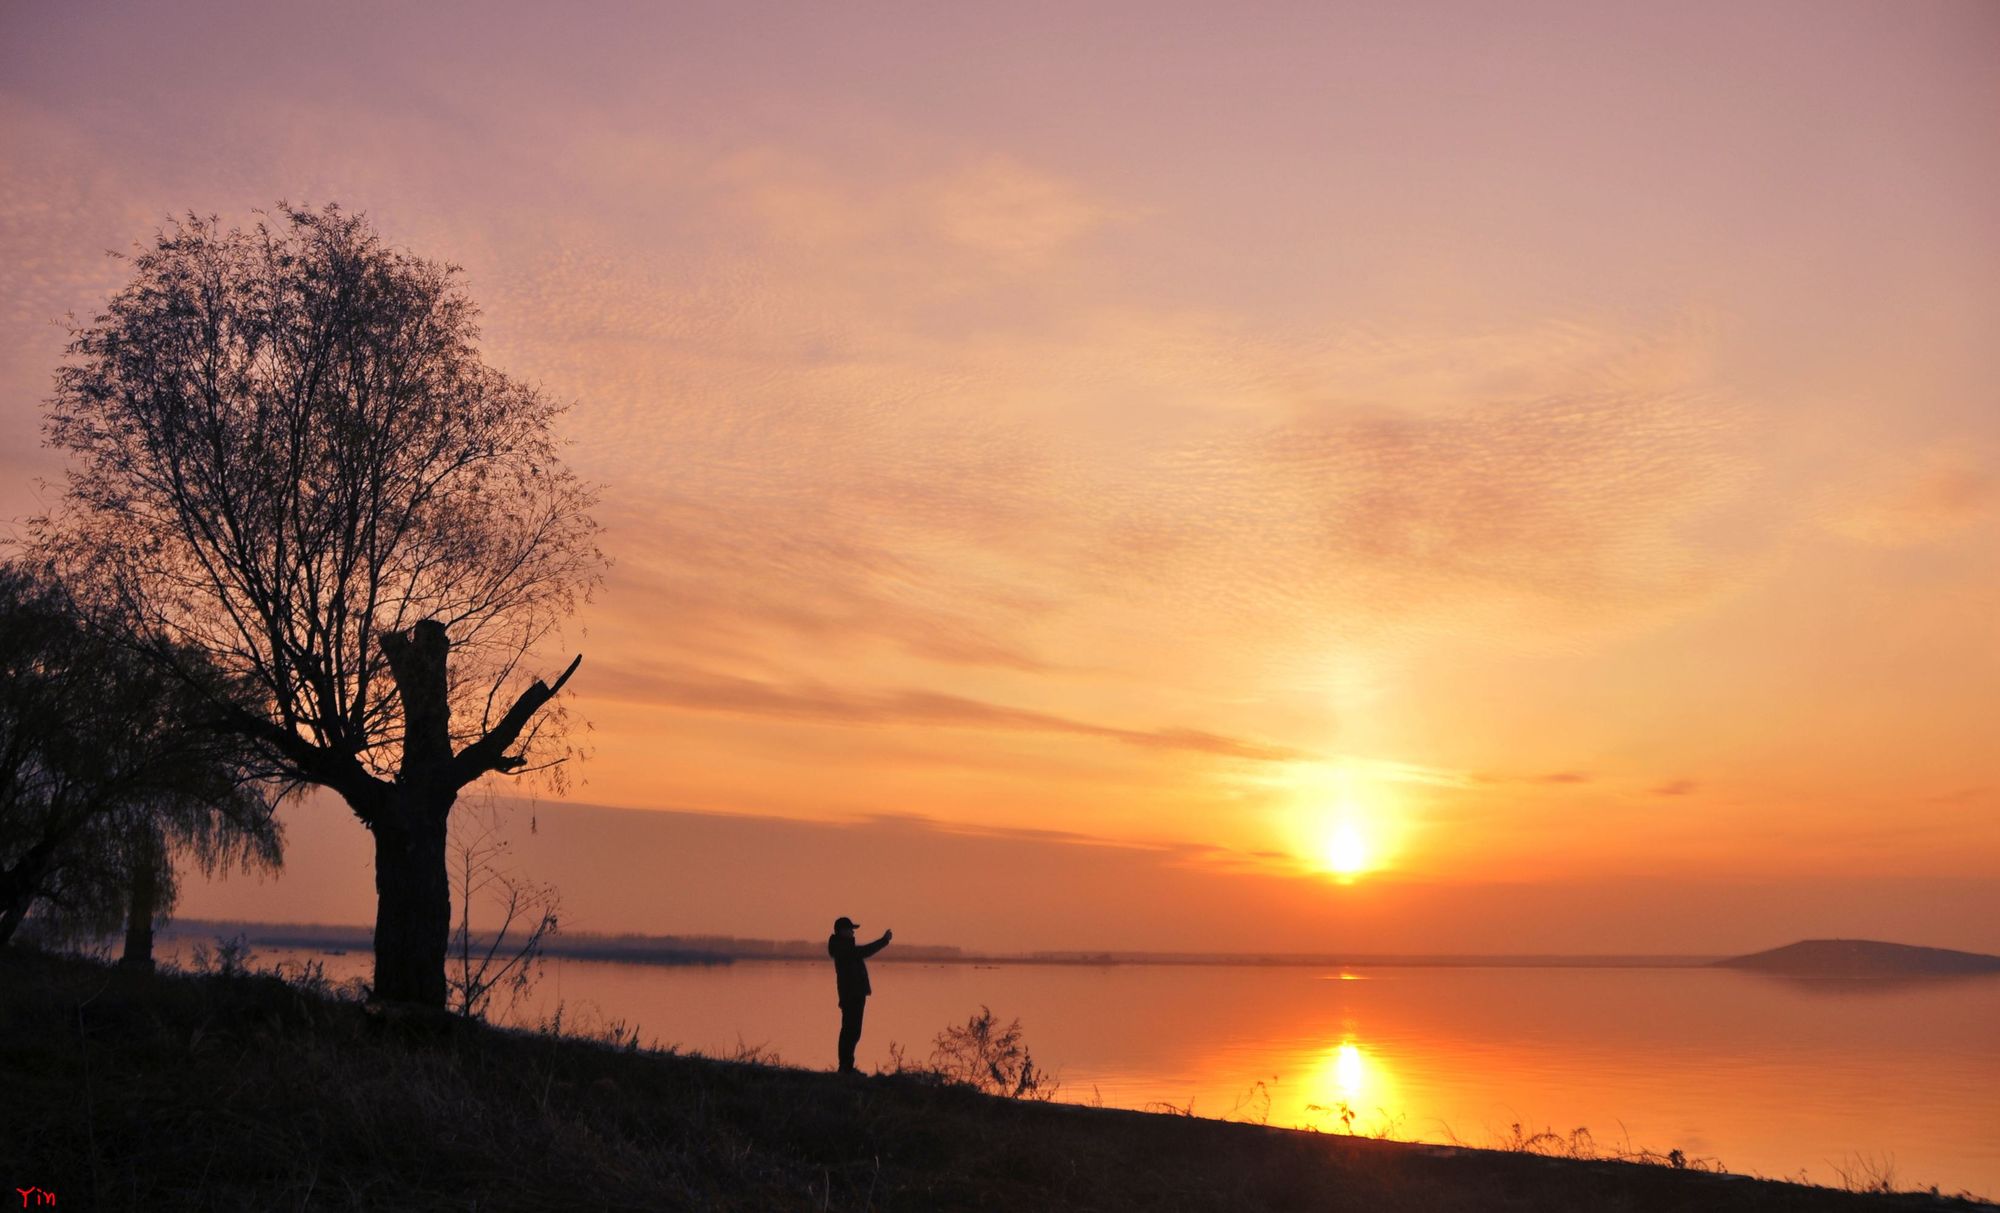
(1770, 1076)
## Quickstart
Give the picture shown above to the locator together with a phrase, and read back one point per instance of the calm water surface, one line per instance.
(1770, 1076)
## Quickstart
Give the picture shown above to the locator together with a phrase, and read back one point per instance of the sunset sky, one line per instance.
(1289, 476)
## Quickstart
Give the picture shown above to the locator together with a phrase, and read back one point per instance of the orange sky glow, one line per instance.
(1323, 477)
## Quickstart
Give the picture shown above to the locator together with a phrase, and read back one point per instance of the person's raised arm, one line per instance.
(878, 945)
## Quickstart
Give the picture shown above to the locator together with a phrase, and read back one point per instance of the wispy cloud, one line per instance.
(1579, 506)
(708, 691)
(994, 207)
(739, 574)
(1908, 502)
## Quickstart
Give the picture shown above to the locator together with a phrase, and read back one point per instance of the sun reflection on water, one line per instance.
(1351, 1089)
(1349, 1071)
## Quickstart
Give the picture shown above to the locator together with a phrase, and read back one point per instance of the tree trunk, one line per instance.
(13, 909)
(412, 899)
(412, 888)
(19, 885)
(145, 900)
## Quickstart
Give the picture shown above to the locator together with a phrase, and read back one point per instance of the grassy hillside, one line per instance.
(168, 1092)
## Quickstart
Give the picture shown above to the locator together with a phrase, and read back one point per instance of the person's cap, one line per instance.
(844, 924)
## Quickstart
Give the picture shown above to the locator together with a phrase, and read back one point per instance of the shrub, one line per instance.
(992, 1058)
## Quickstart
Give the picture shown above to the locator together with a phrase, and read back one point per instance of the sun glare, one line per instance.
(1350, 1072)
(1341, 819)
(1346, 853)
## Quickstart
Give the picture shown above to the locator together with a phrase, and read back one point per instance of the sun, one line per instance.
(1340, 820)
(1345, 852)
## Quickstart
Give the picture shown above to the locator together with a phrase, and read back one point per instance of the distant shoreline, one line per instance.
(722, 950)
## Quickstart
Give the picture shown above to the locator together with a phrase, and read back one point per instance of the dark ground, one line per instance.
(129, 1091)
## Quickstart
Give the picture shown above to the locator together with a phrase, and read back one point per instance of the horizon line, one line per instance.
(695, 948)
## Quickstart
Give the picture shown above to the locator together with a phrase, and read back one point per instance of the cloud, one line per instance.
(995, 208)
(1570, 501)
(735, 575)
(921, 822)
(1005, 208)
(1971, 795)
(1551, 779)
(1178, 853)
(706, 691)
(828, 421)
(1551, 482)
(1676, 787)
(1922, 499)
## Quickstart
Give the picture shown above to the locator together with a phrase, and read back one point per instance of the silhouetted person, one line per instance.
(850, 972)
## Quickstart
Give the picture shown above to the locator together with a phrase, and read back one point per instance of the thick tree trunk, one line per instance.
(13, 910)
(18, 886)
(145, 901)
(413, 899)
(412, 888)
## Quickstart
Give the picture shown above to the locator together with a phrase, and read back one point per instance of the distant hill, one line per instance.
(1863, 958)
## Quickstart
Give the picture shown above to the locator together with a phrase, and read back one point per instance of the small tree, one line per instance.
(520, 915)
(290, 458)
(108, 767)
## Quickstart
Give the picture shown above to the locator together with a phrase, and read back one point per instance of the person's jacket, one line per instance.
(850, 964)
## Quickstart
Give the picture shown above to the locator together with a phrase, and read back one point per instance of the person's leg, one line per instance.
(850, 1031)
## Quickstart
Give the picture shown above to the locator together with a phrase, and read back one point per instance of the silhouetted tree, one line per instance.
(109, 766)
(291, 458)
(236, 831)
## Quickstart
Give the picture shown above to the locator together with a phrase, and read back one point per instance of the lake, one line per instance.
(1769, 1076)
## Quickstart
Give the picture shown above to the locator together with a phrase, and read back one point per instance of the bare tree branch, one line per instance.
(489, 753)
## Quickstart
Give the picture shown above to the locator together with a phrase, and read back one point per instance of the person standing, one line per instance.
(850, 974)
